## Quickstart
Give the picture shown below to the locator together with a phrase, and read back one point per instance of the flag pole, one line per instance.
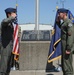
(37, 18)
(59, 67)
(62, 2)
(16, 6)
(13, 56)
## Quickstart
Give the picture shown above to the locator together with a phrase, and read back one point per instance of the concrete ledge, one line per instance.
(33, 55)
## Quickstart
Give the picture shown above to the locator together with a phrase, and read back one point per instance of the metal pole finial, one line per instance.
(16, 3)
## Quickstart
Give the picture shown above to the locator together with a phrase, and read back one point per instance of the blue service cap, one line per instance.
(10, 10)
(62, 10)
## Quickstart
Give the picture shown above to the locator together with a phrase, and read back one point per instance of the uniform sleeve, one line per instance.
(69, 37)
(7, 20)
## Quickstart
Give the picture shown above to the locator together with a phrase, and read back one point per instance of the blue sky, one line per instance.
(26, 10)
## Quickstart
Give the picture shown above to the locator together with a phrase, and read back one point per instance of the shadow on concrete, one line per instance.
(50, 67)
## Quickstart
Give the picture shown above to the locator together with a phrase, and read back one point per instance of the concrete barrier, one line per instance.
(33, 55)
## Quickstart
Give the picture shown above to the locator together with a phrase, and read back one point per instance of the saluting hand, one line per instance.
(68, 52)
(13, 15)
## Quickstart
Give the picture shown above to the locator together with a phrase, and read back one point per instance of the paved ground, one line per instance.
(33, 72)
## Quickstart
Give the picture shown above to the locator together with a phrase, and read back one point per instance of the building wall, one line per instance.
(32, 27)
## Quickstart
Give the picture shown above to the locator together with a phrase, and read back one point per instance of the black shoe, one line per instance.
(7, 74)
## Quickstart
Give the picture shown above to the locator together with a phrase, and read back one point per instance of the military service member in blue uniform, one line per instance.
(6, 40)
(66, 41)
